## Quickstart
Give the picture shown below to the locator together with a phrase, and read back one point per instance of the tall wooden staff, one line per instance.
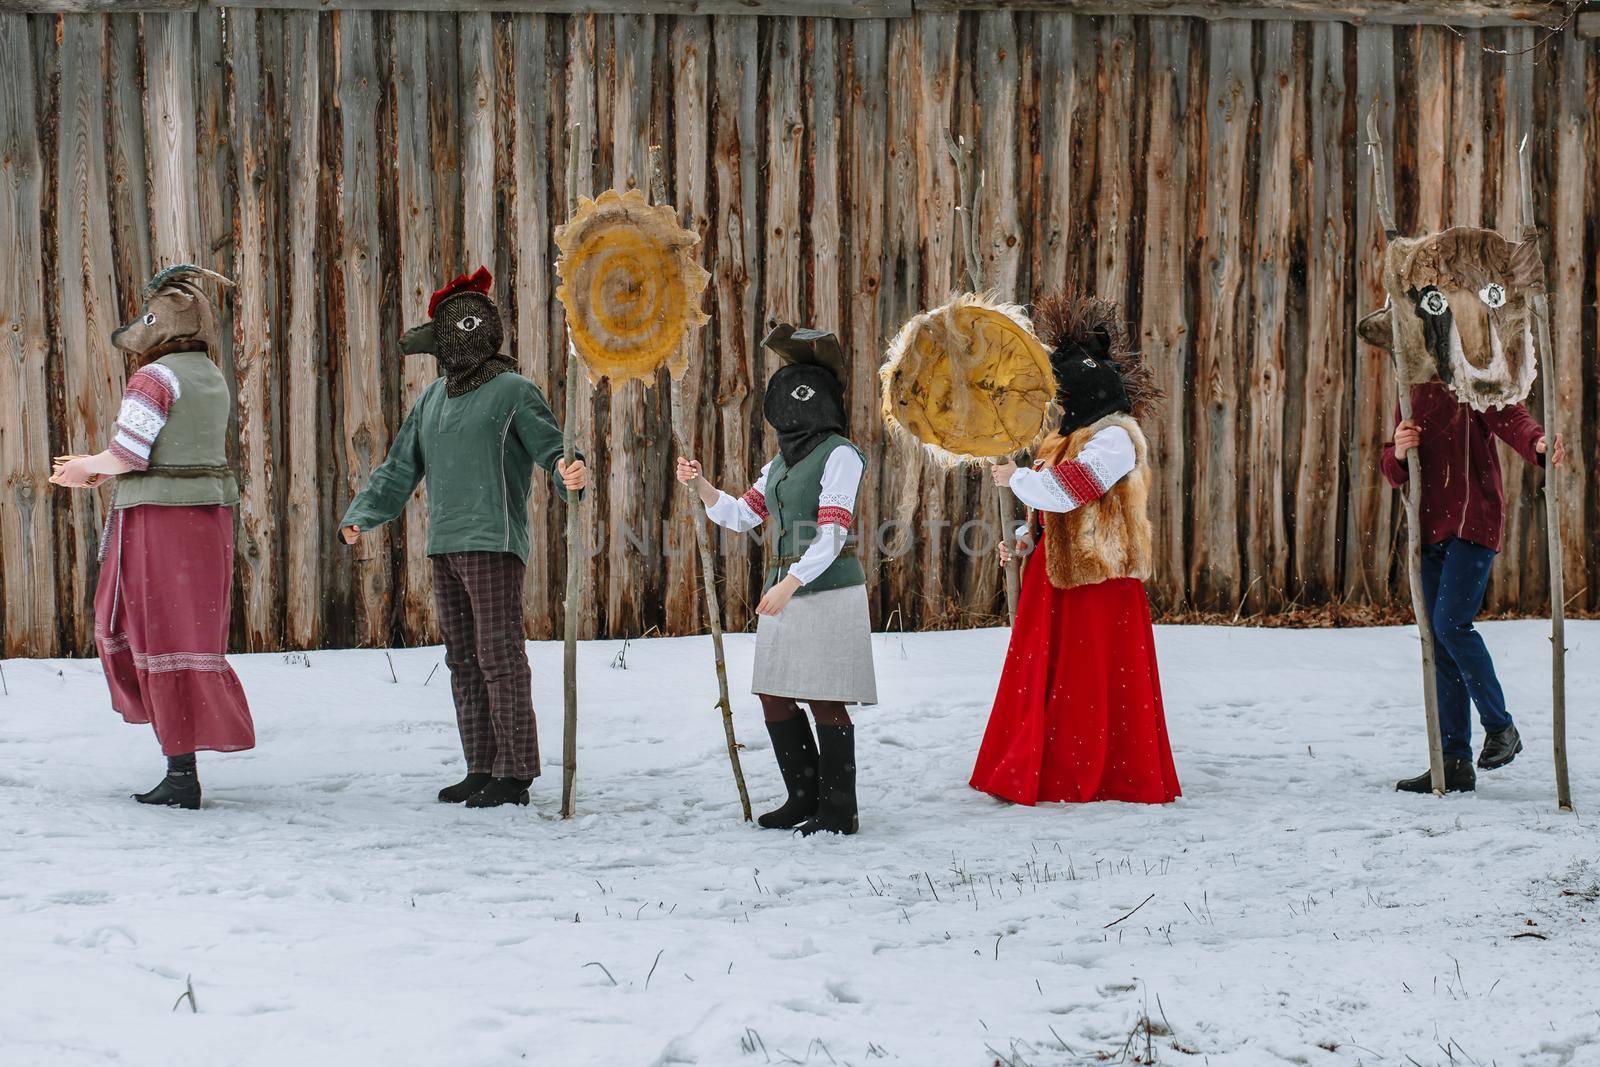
(569, 658)
(1552, 506)
(1413, 495)
(968, 193)
(708, 583)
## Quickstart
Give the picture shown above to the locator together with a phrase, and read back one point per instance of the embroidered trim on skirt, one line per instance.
(818, 648)
(161, 615)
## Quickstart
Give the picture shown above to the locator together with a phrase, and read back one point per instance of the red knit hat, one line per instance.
(476, 282)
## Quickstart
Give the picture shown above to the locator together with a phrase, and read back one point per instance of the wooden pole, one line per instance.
(1413, 493)
(658, 192)
(967, 194)
(569, 659)
(1552, 505)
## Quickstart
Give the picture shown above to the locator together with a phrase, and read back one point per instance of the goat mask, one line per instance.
(177, 315)
(1458, 308)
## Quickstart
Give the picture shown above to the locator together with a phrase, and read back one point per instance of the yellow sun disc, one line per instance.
(630, 285)
(969, 380)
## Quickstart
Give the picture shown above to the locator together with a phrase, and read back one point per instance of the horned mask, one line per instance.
(1458, 308)
(177, 316)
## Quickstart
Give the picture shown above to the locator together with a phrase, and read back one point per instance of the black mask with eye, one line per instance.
(805, 404)
(464, 335)
(1434, 311)
(1088, 385)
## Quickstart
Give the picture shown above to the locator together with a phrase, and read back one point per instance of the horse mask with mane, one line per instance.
(1459, 311)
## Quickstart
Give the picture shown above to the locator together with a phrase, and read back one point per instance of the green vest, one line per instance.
(793, 496)
(188, 462)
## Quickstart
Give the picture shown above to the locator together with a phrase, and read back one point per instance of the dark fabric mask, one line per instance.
(1088, 385)
(805, 404)
(464, 335)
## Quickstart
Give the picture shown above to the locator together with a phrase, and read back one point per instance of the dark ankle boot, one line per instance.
(501, 791)
(1500, 748)
(179, 789)
(1459, 777)
(836, 774)
(796, 752)
(463, 790)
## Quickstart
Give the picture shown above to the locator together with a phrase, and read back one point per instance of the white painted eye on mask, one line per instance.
(1087, 362)
(1493, 295)
(1434, 303)
(149, 318)
(468, 324)
(803, 393)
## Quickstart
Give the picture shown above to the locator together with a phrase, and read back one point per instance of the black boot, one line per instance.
(1459, 777)
(796, 752)
(501, 791)
(464, 789)
(179, 789)
(1500, 748)
(836, 766)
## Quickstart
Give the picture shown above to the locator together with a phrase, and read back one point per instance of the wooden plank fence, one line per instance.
(1205, 172)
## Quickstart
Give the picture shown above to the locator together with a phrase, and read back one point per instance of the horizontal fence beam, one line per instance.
(1463, 13)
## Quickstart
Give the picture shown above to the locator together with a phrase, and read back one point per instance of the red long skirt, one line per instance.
(161, 614)
(1078, 715)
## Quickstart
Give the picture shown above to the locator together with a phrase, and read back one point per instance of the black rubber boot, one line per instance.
(1500, 748)
(501, 791)
(796, 752)
(464, 789)
(836, 767)
(1459, 777)
(179, 789)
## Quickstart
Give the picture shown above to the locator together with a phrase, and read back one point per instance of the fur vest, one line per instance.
(1111, 537)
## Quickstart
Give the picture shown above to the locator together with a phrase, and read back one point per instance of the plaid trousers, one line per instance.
(479, 598)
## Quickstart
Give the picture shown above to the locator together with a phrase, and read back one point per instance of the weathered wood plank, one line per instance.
(358, 95)
(27, 549)
(1214, 577)
(1164, 330)
(1058, 91)
(1368, 545)
(1573, 108)
(1431, 69)
(477, 143)
(1466, 130)
(171, 139)
(1327, 200)
(86, 294)
(582, 109)
(130, 200)
(1114, 207)
(735, 281)
(799, 8)
(1358, 12)
(255, 353)
(1266, 536)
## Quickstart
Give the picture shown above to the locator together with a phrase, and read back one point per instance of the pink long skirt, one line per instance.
(161, 614)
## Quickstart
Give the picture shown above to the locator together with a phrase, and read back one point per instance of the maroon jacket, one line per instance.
(1461, 494)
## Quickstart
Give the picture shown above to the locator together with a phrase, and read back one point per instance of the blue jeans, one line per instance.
(1454, 576)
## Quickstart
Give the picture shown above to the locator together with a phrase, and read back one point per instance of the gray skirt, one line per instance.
(819, 647)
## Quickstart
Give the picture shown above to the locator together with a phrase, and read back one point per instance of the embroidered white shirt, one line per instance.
(1105, 460)
(841, 479)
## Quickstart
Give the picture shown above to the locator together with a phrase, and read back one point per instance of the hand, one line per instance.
(1008, 552)
(574, 476)
(688, 470)
(1406, 437)
(1556, 456)
(1002, 472)
(72, 472)
(777, 598)
(351, 534)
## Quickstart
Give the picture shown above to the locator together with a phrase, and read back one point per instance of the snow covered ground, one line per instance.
(1290, 908)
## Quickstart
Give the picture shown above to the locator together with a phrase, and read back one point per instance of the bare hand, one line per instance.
(1008, 552)
(351, 534)
(1002, 472)
(1560, 453)
(777, 598)
(688, 470)
(574, 476)
(72, 472)
(1406, 437)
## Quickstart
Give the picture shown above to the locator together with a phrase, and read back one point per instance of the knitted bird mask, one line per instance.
(1458, 309)
(463, 333)
(177, 315)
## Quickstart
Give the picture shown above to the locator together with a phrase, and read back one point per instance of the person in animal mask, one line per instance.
(476, 435)
(813, 634)
(164, 598)
(1078, 715)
